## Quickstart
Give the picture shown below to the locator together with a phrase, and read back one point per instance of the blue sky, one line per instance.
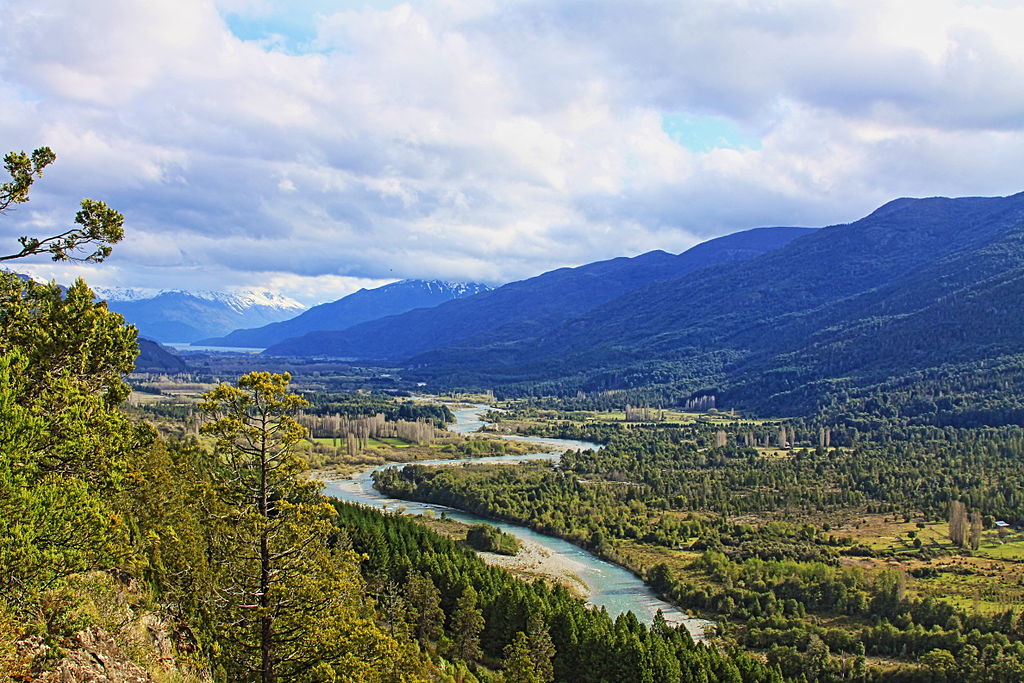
(706, 133)
(291, 26)
(315, 147)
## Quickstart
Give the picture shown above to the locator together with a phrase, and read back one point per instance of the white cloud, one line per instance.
(487, 140)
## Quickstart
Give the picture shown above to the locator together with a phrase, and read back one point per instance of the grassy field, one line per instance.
(988, 579)
(521, 421)
(465, 399)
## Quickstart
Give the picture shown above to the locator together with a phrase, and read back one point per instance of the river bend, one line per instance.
(609, 585)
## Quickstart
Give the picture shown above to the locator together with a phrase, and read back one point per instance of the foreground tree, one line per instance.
(66, 451)
(66, 337)
(98, 226)
(288, 602)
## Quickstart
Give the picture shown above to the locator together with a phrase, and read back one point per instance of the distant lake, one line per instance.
(185, 347)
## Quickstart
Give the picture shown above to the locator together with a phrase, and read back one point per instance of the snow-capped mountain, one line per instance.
(358, 307)
(456, 290)
(183, 316)
(239, 299)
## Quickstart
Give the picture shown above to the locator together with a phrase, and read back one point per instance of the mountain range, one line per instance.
(527, 308)
(358, 307)
(182, 316)
(916, 286)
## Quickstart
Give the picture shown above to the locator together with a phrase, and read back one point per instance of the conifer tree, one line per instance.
(99, 226)
(64, 446)
(467, 622)
(424, 601)
(520, 666)
(542, 650)
(286, 600)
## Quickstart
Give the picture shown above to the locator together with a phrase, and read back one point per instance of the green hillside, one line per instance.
(918, 284)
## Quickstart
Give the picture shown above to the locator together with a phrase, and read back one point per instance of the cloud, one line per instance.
(256, 141)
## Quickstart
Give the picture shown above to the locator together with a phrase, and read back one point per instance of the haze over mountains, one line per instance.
(366, 304)
(180, 316)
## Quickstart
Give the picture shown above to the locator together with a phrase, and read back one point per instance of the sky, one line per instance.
(314, 147)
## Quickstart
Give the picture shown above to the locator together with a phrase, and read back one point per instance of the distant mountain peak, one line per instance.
(176, 315)
(358, 307)
(237, 298)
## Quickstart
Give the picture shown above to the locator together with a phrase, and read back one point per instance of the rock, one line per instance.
(93, 657)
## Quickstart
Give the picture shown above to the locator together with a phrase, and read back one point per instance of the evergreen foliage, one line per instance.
(491, 539)
(583, 644)
(98, 225)
(774, 582)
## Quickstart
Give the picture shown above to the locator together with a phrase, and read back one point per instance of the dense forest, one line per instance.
(758, 523)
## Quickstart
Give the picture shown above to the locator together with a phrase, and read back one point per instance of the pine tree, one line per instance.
(519, 663)
(542, 650)
(424, 601)
(467, 622)
(286, 601)
(99, 226)
(65, 448)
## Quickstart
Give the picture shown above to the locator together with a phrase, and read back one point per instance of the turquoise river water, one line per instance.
(609, 586)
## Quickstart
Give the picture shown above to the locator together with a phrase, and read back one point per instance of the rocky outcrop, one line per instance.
(91, 656)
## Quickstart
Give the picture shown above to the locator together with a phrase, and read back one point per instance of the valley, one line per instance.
(601, 583)
(861, 579)
(802, 539)
(812, 472)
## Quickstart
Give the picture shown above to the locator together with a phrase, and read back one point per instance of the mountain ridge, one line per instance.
(239, 299)
(799, 315)
(360, 306)
(527, 307)
(182, 316)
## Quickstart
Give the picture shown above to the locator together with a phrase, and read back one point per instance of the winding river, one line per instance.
(609, 586)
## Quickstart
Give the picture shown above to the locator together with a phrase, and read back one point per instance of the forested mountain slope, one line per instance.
(358, 307)
(155, 358)
(531, 307)
(916, 284)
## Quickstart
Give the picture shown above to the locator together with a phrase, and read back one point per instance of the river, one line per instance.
(609, 585)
